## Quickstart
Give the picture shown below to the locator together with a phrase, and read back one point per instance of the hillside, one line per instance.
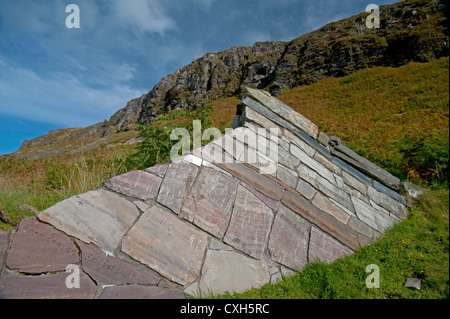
(417, 247)
(413, 30)
(396, 117)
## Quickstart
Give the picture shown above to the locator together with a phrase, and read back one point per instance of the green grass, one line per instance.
(398, 118)
(418, 247)
(30, 186)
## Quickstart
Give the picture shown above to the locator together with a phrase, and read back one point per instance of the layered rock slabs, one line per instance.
(213, 221)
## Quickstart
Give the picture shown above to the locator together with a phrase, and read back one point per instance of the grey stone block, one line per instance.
(338, 149)
(354, 172)
(257, 107)
(313, 143)
(386, 190)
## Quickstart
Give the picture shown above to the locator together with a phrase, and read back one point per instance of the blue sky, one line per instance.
(53, 77)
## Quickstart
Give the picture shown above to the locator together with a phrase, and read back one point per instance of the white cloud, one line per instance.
(144, 15)
(61, 99)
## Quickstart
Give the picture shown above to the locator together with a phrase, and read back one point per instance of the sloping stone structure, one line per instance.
(254, 205)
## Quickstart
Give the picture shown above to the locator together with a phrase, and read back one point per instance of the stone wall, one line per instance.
(241, 212)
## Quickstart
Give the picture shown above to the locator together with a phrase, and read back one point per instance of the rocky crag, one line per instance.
(244, 210)
(412, 30)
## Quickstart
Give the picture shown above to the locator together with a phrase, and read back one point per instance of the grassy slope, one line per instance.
(27, 186)
(379, 112)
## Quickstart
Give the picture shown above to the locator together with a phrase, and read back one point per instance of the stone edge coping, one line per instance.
(254, 103)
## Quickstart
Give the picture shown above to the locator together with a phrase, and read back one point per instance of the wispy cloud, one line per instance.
(61, 99)
(143, 15)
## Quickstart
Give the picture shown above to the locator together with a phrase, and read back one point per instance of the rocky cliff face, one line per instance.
(211, 77)
(411, 30)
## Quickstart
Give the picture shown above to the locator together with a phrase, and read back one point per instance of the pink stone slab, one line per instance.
(110, 270)
(136, 184)
(46, 287)
(210, 201)
(325, 248)
(289, 238)
(39, 248)
(167, 244)
(250, 224)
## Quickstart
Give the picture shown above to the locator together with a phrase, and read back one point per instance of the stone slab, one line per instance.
(38, 248)
(364, 165)
(323, 220)
(264, 164)
(45, 287)
(360, 227)
(215, 154)
(388, 203)
(109, 270)
(159, 170)
(140, 292)
(255, 180)
(287, 176)
(189, 158)
(313, 143)
(250, 224)
(305, 189)
(289, 238)
(136, 184)
(285, 158)
(413, 190)
(283, 111)
(353, 171)
(229, 271)
(322, 184)
(354, 182)
(294, 139)
(273, 204)
(256, 111)
(325, 248)
(323, 138)
(101, 217)
(210, 202)
(328, 163)
(177, 182)
(324, 204)
(259, 139)
(413, 283)
(4, 244)
(386, 190)
(167, 244)
(342, 207)
(377, 219)
(312, 163)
